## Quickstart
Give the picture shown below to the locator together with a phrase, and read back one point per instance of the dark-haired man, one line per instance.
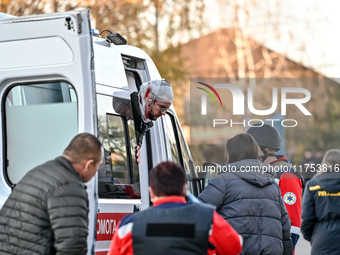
(268, 139)
(172, 226)
(47, 212)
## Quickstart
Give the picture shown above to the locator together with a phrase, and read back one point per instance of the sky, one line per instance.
(306, 31)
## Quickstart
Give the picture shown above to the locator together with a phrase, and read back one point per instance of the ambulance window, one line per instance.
(184, 150)
(172, 139)
(40, 121)
(178, 150)
(118, 176)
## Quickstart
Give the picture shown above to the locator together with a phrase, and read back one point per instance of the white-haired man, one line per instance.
(152, 101)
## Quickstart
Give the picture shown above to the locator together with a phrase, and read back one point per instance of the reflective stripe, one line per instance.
(295, 230)
(124, 230)
(277, 180)
(314, 187)
(241, 239)
(210, 230)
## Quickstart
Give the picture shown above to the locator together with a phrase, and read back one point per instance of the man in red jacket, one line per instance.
(290, 181)
(171, 225)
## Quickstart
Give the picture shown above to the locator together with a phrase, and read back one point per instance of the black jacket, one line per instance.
(321, 213)
(251, 202)
(140, 126)
(47, 212)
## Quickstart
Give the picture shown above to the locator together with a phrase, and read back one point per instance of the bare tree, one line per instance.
(244, 55)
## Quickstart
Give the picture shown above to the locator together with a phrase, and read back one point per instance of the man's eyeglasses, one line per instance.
(163, 108)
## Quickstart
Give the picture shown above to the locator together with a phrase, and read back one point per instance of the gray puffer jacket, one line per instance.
(252, 204)
(47, 212)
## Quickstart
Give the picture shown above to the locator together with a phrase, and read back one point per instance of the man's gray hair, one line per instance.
(158, 90)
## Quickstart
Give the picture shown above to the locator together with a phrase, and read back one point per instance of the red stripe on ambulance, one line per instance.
(106, 225)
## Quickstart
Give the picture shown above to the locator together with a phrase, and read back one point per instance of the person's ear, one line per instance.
(88, 164)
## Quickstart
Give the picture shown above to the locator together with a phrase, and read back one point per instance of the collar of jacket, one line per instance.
(279, 159)
(248, 163)
(67, 164)
(252, 171)
(170, 199)
(329, 181)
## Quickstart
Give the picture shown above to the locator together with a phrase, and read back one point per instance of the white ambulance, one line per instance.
(57, 80)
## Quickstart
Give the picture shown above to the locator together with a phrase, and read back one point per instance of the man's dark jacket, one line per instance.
(321, 213)
(47, 212)
(251, 202)
(140, 126)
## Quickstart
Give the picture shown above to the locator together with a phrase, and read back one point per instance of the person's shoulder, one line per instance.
(126, 220)
(41, 169)
(226, 175)
(312, 184)
(58, 172)
(230, 178)
(286, 171)
(134, 95)
(222, 179)
(57, 162)
(203, 206)
(125, 226)
(44, 177)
